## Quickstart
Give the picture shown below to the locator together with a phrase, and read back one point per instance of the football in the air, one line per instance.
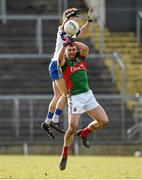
(71, 27)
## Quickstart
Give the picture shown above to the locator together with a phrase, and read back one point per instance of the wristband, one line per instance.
(90, 20)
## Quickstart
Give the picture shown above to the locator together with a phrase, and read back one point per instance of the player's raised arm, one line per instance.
(61, 60)
(85, 27)
(84, 49)
(66, 42)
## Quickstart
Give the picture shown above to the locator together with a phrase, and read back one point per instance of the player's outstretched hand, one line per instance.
(74, 13)
(92, 15)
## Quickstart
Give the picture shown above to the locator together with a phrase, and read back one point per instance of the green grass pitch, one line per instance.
(78, 167)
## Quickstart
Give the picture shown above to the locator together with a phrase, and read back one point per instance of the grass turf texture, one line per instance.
(78, 167)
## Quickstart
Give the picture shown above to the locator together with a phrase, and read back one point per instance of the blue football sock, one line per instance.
(49, 116)
(57, 115)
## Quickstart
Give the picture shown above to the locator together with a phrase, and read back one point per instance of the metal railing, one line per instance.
(38, 35)
(62, 5)
(139, 26)
(123, 88)
(3, 10)
(116, 60)
(134, 133)
(21, 116)
(16, 100)
(114, 57)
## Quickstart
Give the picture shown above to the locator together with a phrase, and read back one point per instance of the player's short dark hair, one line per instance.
(71, 45)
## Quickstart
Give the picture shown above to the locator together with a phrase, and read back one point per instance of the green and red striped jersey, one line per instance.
(75, 74)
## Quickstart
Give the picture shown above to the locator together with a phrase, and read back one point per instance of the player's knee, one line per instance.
(105, 121)
(57, 97)
(64, 94)
(71, 131)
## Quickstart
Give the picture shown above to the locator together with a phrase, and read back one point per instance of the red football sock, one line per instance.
(65, 151)
(84, 132)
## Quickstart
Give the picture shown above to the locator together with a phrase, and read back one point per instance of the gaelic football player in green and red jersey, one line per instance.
(81, 98)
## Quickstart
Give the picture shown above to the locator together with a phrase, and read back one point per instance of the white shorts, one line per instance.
(78, 104)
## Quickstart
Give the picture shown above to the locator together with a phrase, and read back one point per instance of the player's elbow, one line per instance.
(87, 50)
(60, 63)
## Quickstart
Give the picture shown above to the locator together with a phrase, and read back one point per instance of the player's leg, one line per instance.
(60, 104)
(61, 84)
(52, 105)
(45, 125)
(73, 121)
(100, 120)
(96, 112)
(55, 74)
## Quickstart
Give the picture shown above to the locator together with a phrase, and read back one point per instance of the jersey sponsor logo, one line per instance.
(74, 69)
(78, 67)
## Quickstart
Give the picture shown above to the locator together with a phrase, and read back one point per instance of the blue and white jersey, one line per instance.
(55, 70)
(59, 44)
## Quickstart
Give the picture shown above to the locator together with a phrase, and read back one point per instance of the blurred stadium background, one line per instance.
(27, 39)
